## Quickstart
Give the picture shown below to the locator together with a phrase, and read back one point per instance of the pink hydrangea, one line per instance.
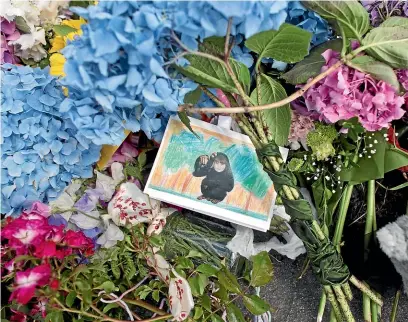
(402, 75)
(9, 33)
(348, 93)
(299, 128)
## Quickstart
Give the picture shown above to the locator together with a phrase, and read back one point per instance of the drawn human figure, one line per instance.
(218, 179)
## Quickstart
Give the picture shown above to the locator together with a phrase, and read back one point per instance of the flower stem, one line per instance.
(366, 308)
(366, 290)
(395, 306)
(370, 213)
(343, 303)
(333, 302)
(322, 305)
(345, 201)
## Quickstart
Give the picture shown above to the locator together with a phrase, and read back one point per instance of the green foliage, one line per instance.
(212, 73)
(295, 164)
(312, 64)
(289, 44)
(376, 69)
(262, 269)
(351, 15)
(255, 304)
(389, 45)
(21, 25)
(63, 30)
(186, 121)
(320, 141)
(277, 119)
(234, 314)
(229, 281)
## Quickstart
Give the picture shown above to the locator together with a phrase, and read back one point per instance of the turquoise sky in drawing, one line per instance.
(185, 148)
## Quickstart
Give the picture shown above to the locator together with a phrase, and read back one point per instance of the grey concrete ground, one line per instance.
(297, 300)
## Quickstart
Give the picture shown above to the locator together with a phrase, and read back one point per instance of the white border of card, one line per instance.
(210, 210)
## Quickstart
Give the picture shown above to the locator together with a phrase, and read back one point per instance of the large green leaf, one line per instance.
(376, 69)
(350, 14)
(395, 22)
(389, 45)
(255, 304)
(289, 44)
(213, 74)
(262, 269)
(234, 314)
(229, 281)
(312, 64)
(277, 119)
(394, 158)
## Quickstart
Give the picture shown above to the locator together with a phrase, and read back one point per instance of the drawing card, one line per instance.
(215, 172)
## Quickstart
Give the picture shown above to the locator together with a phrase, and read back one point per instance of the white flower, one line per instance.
(108, 184)
(86, 221)
(161, 266)
(130, 206)
(180, 297)
(111, 236)
(31, 45)
(65, 201)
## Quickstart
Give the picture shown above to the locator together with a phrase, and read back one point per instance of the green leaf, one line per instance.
(229, 281)
(255, 304)
(193, 96)
(222, 294)
(211, 73)
(198, 312)
(54, 316)
(373, 167)
(262, 269)
(376, 69)
(216, 318)
(312, 64)
(234, 314)
(206, 302)
(207, 269)
(289, 44)
(156, 295)
(394, 158)
(141, 159)
(108, 286)
(183, 262)
(109, 307)
(395, 22)
(63, 30)
(186, 121)
(82, 285)
(389, 45)
(277, 119)
(22, 25)
(194, 254)
(70, 298)
(198, 283)
(350, 14)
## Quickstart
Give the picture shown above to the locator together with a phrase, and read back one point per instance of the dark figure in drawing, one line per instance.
(218, 179)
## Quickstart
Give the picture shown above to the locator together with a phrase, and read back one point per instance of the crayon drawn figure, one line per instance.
(218, 180)
(213, 171)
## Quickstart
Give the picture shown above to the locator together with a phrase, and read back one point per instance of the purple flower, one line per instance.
(381, 10)
(9, 32)
(89, 200)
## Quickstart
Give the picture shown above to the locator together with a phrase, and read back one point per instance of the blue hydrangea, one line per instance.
(115, 70)
(309, 20)
(41, 148)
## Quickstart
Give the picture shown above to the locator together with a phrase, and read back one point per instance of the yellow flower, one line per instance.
(57, 60)
(60, 42)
